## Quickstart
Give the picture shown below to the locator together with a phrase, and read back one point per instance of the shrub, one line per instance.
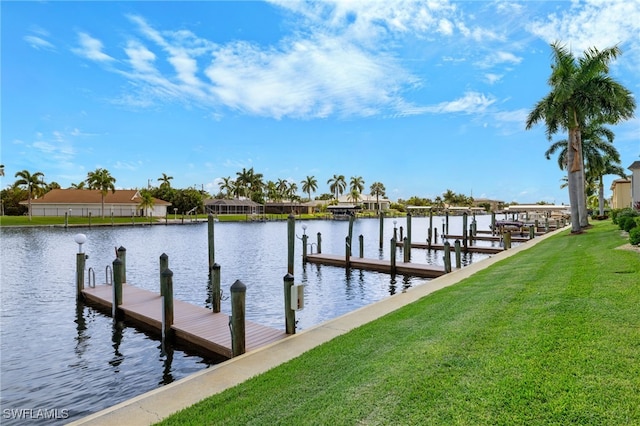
(619, 216)
(634, 236)
(627, 223)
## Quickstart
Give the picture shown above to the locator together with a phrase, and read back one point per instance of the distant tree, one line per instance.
(32, 183)
(102, 180)
(356, 183)
(282, 187)
(271, 191)
(228, 186)
(165, 180)
(80, 185)
(1, 169)
(11, 198)
(337, 185)
(309, 185)
(292, 192)
(377, 190)
(354, 196)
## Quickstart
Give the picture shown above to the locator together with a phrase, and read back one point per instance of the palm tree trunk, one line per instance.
(601, 198)
(574, 182)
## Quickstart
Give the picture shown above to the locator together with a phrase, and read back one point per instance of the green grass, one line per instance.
(548, 336)
(74, 220)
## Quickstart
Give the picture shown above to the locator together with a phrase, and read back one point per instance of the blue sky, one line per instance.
(423, 96)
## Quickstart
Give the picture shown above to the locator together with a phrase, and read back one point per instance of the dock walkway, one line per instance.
(414, 269)
(194, 325)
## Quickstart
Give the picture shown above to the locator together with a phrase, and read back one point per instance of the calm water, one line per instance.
(68, 360)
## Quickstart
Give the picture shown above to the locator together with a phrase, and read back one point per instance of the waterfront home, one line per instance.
(82, 202)
(621, 193)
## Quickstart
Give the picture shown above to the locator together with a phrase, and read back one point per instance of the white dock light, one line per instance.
(80, 239)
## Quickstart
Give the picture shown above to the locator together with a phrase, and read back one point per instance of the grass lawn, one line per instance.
(548, 336)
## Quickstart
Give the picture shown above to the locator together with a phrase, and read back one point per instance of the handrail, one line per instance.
(108, 275)
(91, 278)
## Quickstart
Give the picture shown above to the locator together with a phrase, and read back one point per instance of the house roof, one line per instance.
(230, 202)
(93, 196)
(634, 165)
(619, 182)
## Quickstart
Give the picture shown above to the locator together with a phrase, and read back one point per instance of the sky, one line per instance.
(422, 96)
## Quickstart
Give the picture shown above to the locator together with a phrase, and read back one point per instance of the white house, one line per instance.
(635, 183)
(81, 202)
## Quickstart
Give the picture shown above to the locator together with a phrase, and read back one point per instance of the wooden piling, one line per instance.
(532, 232)
(117, 286)
(210, 240)
(80, 264)
(447, 257)
(291, 238)
(304, 248)
(507, 240)
(406, 250)
(493, 223)
(446, 222)
(238, 296)
(465, 237)
(166, 289)
(409, 228)
(289, 314)
(347, 251)
(458, 254)
(164, 264)
(319, 243)
(393, 256)
(121, 254)
(351, 218)
(66, 219)
(381, 214)
(361, 241)
(215, 288)
(401, 233)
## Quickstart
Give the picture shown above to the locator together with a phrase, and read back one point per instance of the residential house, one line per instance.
(621, 197)
(635, 183)
(82, 202)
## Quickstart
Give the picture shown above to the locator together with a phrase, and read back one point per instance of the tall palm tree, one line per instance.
(581, 91)
(378, 190)
(356, 183)
(165, 180)
(102, 180)
(337, 185)
(282, 186)
(32, 182)
(354, 196)
(309, 185)
(227, 185)
(249, 182)
(79, 185)
(271, 191)
(1, 169)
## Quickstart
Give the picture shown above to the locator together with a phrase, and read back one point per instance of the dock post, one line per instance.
(164, 264)
(409, 228)
(117, 287)
(291, 238)
(507, 240)
(289, 314)
(210, 239)
(381, 214)
(361, 241)
(435, 235)
(430, 232)
(89, 219)
(121, 254)
(493, 223)
(304, 248)
(166, 286)
(458, 255)
(351, 217)
(406, 250)
(238, 294)
(446, 221)
(66, 219)
(319, 244)
(532, 232)
(215, 288)
(401, 233)
(80, 264)
(393, 255)
(465, 241)
(546, 224)
(447, 257)
(347, 252)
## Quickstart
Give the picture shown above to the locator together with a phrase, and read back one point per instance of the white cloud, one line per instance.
(91, 48)
(38, 42)
(470, 103)
(492, 78)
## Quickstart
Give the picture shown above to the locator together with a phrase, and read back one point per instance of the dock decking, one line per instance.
(415, 269)
(194, 325)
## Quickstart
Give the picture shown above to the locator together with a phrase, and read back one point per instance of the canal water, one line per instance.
(62, 360)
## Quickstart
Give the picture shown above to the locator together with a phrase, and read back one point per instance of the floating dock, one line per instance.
(194, 325)
(403, 268)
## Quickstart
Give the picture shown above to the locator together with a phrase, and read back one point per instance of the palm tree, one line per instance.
(581, 91)
(378, 190)
(102, 180)
(165, 180)
(271, 191)
(227, 185)
(32, 182)
(356, 183)
(1, 169)
(309, 185)
(354, 195)
(78, 185)
(337, 184)
(282, 186)
(249, 183)
(146, 201)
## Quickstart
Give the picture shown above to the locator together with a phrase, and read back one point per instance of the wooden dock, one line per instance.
(470, 249)
(414, 269)
(194, 325)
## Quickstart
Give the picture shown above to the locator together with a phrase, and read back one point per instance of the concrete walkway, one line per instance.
(155, 405)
